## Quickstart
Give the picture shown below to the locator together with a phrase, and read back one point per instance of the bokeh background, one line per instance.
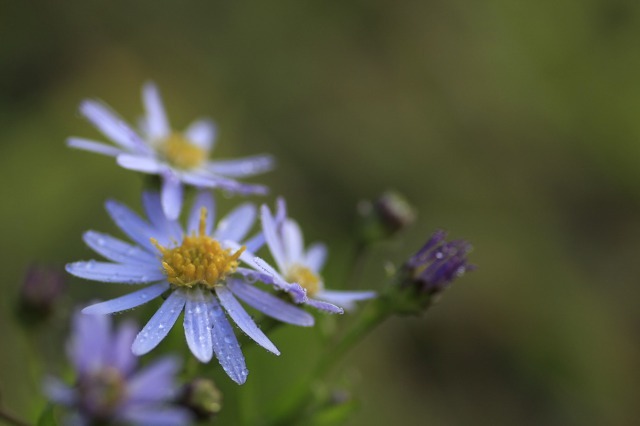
(513, 124)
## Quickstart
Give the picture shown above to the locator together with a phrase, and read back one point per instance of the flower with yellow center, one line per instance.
(179, 158)
(197, 269)
(109, 388)
(303, 275)
(182, 153)
(299, 266)
(198, 260)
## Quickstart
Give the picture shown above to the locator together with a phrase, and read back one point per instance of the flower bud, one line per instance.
(432, 269)
(384, 217)
(41, 290)
(438, 263)
(202, 397)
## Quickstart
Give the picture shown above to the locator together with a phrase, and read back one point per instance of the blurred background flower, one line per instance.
(108, 389)
(511, 124)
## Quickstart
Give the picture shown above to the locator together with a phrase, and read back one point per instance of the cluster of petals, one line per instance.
(286, 244)
(108, 388)
(207, 329)
(213, 298)
(140, 150)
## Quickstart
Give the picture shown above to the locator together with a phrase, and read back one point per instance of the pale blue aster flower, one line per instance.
(108, 389)
(299, 266)
(198, 269)
(177, 157)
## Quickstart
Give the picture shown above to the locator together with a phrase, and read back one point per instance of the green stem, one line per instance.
(375, 313)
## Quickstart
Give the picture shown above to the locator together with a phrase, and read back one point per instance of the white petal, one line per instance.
(97, 147)
(295, 290)
(345, 299)
(117, 250)
(90, 341)
(203, 199)
(202, 133)
(156, 416)
(121, 357)
(269, 304)
(155, 383)
(128, 301)
(293, 242)
(236, 224)
(115, 272)
(255, 243)
(171, 195)
(131, 224)
(160, 323)
(157, 124)
(325, 306)
(200, 180)
(139, 163)
(58, 391)
(226, 347)
(243, 320)
(273, 239)
(170, 229)
(198, 322)
(242, 167)
(281, 212)
(316, 256)
(112, 126)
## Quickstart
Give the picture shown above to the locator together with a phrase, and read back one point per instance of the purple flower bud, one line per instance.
(41, 290)
(438, 263)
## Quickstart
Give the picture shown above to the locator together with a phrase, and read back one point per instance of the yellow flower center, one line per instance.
(303, 276)
(181, 153)
(198, 260)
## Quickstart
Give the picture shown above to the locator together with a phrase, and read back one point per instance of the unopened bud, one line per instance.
(432, 269)
(438, 263)
(384, 217)
(41, 290)
(202, 397)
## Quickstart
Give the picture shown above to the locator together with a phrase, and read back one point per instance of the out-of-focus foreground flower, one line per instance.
(108, 389)
(199, 269)
(299, 266)
(177, 157)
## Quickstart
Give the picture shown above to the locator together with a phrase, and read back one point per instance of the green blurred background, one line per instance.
(513, 124)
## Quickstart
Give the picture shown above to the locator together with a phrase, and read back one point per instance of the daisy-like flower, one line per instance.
(199, 271)
(299, 266)
(177, 157)
(108, 389)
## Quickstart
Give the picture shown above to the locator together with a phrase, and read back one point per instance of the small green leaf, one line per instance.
(47, 417)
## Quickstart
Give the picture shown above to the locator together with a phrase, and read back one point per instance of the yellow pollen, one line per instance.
(181, 153)
(198, 260)
(303, 276)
